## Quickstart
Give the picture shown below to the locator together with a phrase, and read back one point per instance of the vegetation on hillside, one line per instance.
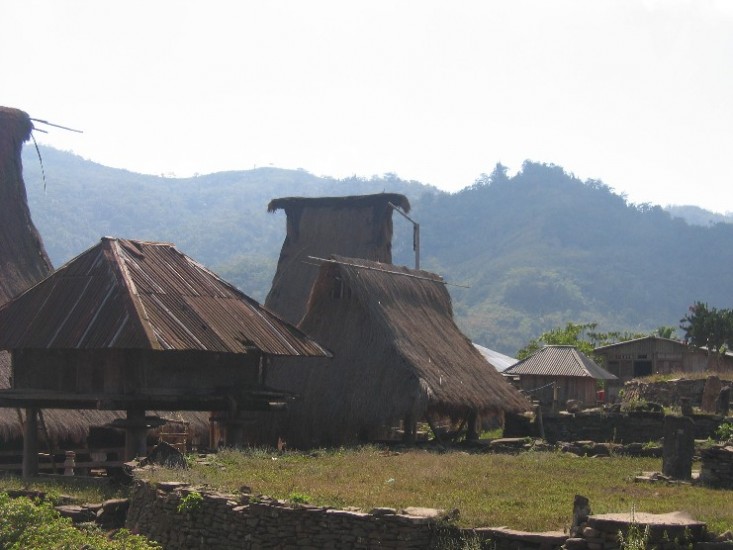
(538, 249)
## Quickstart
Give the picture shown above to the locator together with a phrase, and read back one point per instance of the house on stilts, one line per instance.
(139, 326)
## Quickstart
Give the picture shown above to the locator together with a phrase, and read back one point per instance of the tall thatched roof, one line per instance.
(397, 351)
(354, 226)
(23, 259)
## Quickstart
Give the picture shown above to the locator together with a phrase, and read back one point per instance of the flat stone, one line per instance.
(430, 513)
(383, 512)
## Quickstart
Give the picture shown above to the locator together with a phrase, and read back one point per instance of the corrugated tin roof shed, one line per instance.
(560, 361)
(144, 295)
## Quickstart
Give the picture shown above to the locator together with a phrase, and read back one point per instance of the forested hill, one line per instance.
(538, 249)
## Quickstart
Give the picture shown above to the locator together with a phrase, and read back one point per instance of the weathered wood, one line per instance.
(30, 443)
(135, 434)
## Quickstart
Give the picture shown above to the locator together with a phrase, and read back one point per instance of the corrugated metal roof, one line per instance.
(651, 339)
(560, 361)
(498, 360)
(144, 295)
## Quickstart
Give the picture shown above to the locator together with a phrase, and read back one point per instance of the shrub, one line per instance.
(299, 498)
(724, 432)
(190, 503)
(37, 526)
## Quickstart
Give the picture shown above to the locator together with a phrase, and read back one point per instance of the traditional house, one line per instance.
(556, 374)
(655, 355)
(23, 263)
(398, 356)
(139, 326)
(356, 226)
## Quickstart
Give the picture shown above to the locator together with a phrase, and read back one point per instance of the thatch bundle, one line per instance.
(23, 259)
(354, 226)
(396, 353)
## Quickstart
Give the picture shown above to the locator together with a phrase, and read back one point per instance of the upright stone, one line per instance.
(723, 405)
(679, 447)
(710, 394)
(686, 406)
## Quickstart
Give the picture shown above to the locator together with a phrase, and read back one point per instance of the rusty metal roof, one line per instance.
(560, 361)
(144, 295)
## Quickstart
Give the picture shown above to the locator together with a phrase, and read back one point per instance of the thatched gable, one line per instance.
(354, 226)
(23, 259)
(397, 353)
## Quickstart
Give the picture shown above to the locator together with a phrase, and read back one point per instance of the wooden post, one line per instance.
(136, 432)
(234, 433)
(30, 443)
(409, 429)
(472, 426)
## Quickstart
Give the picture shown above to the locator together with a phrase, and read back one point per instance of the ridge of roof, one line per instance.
(552, 360)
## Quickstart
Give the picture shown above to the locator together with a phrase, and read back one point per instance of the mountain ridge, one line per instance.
(537, 249)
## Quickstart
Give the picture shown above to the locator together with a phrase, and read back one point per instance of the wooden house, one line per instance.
(556, 374)
(655, 355)
(139, 326)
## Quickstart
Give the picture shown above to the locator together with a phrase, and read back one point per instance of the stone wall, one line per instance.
(716, 469)
(601, 426)
(162, 512)
(668, 393)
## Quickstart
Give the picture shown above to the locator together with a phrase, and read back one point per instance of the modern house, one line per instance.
(654, 355)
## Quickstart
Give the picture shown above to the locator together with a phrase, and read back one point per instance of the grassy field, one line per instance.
(533, 491)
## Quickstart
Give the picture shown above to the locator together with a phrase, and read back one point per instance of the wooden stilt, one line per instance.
(409, 429)
(30, 443)
(472, 426)
(136, 431)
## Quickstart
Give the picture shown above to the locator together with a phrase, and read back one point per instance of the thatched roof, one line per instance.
(560, 361)
(23, 259)
(397, 351)
(123, 294)
(354, 226)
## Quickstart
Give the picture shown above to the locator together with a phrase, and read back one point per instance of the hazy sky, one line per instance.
(638, 94)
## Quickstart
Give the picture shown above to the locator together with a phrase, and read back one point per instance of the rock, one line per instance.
(710, 394)
(165, 454)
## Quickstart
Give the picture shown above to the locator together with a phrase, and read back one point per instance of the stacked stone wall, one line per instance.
(716, 469)
(639, 427)
(164, 512)
(670, 392)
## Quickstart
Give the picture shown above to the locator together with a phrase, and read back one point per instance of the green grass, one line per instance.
(54, 488)
(533, 491)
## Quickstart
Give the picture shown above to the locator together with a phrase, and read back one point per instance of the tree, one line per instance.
(572, 334)
(708, 328)
(581, 336)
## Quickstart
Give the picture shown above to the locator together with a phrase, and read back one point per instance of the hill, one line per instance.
(537, 249)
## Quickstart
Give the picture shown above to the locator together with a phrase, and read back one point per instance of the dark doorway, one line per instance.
(642, 368)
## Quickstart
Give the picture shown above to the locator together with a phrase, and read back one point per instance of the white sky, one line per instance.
(638, 94)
